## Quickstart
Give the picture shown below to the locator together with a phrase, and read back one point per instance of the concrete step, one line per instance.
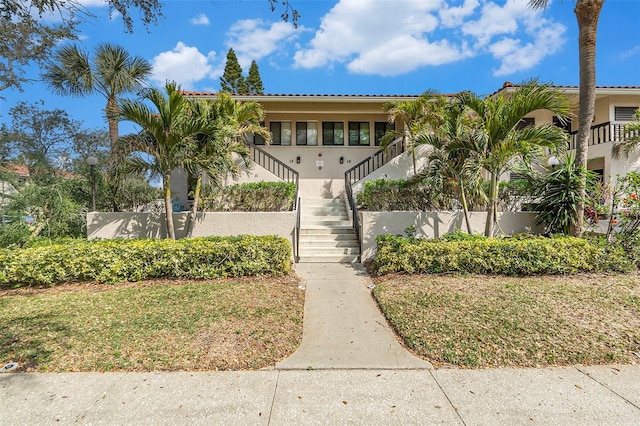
(322, 202)
(329, 251)
(345, 258)
(327, 221)
(320, 230)
(311, 242)
(324, 212)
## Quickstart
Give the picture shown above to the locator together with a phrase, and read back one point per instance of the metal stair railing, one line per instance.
(364, 168)
(375, 161)
(277, 167)
(287, 174)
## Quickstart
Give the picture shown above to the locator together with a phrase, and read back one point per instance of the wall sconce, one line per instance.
(319, 154)
(298, 159)
(341, 160)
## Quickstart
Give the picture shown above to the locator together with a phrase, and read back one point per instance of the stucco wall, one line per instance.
(150, 225)
(434, 224)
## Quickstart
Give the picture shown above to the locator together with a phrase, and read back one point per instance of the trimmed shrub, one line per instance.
(251, 197)
(504, 256)
(111, 261)
(401, 195)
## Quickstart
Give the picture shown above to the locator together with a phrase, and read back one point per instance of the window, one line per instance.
(526, 122)
(359, 133)
(332, 133)
(281, 132)
(566, 126)
(306, 133)
(381, 129)
(624, 113)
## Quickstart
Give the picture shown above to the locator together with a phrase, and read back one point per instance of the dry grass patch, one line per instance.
(165, 325)
(483, 321)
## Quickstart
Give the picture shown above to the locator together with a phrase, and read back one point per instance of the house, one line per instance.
(329, 145)
(323, 136)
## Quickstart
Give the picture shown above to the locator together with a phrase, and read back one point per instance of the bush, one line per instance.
(112, 261)
(250, 197)
(401, 195)
(14, 234)
(504, 256)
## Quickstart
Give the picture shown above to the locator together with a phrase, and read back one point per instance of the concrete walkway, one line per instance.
(343, 328)
(348, 370)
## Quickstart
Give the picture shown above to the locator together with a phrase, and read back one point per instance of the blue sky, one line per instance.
(361, 47)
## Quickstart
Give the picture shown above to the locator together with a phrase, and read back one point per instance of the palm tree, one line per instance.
(457, 153)
(414, 115)
(587, 14)
(111, 73)
(230, 121)
(506, 140)
(168, 139)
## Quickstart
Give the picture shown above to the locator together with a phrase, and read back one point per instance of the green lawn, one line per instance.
(482, 321)
(162, 325)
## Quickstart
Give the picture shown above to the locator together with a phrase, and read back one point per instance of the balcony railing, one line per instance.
(603, 133)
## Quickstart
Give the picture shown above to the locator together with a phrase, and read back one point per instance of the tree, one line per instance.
(232, 80)
(168, 138)
(415, 115)
(229, 122)
(28, 36)
(457, 153)
(254, 82)
(41, 138)
(506, 140)
(111, 73)
(587, 14)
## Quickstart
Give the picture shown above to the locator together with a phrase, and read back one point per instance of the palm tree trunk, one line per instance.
(491, 210)
(194, 208)
(168, 206)
(587, 13)
(465, 208)
(112, 119)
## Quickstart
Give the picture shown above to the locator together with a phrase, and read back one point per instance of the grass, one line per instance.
(152, 326)
(481, 321)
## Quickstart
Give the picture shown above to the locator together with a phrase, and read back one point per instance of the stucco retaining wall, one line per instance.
(434, 224)
(152, 225)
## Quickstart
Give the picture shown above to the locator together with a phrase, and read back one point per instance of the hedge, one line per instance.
(503, 256)
(111, 261)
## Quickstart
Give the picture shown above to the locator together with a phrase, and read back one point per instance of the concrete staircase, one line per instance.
(326, 233)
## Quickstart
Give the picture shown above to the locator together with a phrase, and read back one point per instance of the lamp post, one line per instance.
(92, 162)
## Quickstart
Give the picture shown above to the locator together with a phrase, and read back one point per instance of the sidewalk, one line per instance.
(349, 369)
(554, 396)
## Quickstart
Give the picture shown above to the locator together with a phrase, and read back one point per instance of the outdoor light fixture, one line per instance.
(341, 160)
(298, 159)
(93, 162)
(553, 161)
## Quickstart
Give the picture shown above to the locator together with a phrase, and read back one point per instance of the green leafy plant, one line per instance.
(250, 197)
(504, 256)
(390, 195)
(558, 195)
(113, 261)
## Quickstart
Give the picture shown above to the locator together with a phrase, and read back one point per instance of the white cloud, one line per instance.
(201, 19)
(254, 39)
(343, 37)
(630, 53)
(183, 64)
(453, 16)
(401, 36)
